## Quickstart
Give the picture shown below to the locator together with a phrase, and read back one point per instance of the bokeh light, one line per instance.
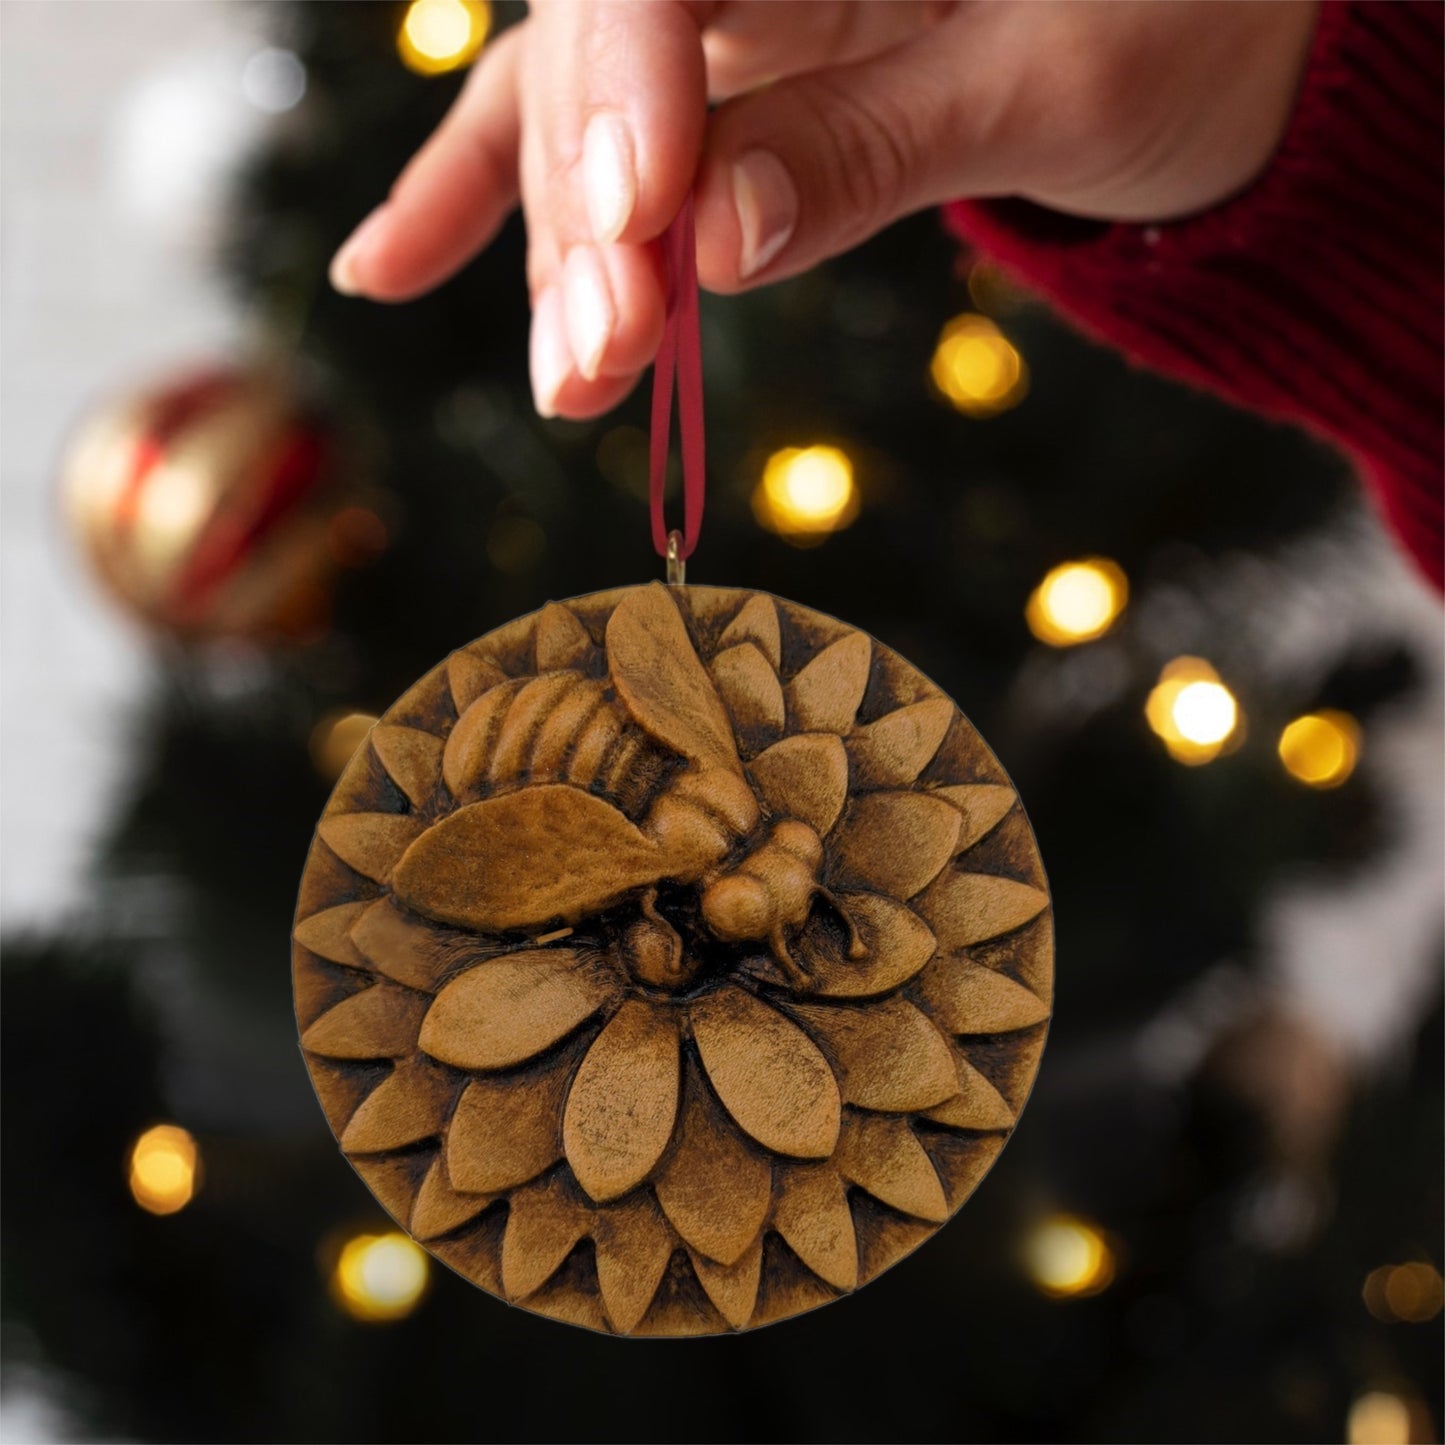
(1379, 1418)
(274, 80)
(806, 493)
(1192, 712)
(1067, 1257)
(1412, 1293)
(1321, 748)
(1077, 601)
(976, 368)
(356, 536)
(441, 35)
(336, 737)
(515, 544)
(165, 1169)
(380, 1277)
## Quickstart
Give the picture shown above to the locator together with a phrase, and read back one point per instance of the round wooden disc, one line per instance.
(673, 960)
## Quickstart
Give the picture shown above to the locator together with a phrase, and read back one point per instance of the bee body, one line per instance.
(656, 743)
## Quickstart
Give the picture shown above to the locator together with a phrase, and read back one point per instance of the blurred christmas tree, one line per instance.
(1220, 1220)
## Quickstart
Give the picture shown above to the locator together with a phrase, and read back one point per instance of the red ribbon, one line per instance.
(680, 354)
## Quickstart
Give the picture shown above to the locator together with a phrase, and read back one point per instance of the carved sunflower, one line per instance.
(673, 960)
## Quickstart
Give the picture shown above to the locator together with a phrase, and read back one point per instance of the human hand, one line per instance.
(837, 118)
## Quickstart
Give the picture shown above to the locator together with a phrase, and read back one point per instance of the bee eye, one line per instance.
(737, 908)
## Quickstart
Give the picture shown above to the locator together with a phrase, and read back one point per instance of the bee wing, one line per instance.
(662, 683)
(525, 858)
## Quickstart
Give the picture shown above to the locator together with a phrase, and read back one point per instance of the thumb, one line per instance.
(816, 164)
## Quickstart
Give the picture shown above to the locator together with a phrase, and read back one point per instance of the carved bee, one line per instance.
(551, 852)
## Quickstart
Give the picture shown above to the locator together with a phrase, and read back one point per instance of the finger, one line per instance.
(613, 108)
(557, 385)
(613, 297)
(814, 165)
(751, 44)
(452, 197)
(623, 97)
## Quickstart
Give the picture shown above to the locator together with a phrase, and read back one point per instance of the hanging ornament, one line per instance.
(214, 506)
(674, 959)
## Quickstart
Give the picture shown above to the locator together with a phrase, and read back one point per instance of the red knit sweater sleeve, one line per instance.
(1315, 295)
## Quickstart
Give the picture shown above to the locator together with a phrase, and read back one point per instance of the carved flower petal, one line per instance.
(804, 777)
(967, 998)
(544, 1222)
(757, 622)
(326, 933)
(439, 1207)
(712, 1186)
(634, 1245)
(395, 943)
(768, 1073)
(371, 843)
(623, 1102)
(895, 842)
(379, 1022)
(562, 641)
(469, 675)
(983, 805)
(410, 1104)
(750, 689)
(891, 752)
(507, 1010)
(471, 742)
(506, 1131)
(813, 1216)
(825, 695)
(411, 757)
(883, 1156)
(968, 908)
(890, 1055)
(733, 1288)
(897, 940)
(977, 1105)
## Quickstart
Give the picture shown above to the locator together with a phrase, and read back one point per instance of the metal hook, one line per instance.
(676, 566)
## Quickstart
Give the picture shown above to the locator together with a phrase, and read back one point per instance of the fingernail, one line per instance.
(591, 315)
(609, 175)
(344, 265)
(551, 357)
(767, 204)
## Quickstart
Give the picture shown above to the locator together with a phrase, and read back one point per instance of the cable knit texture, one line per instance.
(1315, 295)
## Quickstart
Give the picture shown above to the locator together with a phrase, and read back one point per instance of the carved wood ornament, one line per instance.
(673, 960)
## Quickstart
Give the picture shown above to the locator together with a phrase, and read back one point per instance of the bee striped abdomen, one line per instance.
(596, 740)
(560, 726)
(542, 699)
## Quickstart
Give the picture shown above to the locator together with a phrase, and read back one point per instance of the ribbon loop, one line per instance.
(680, 356)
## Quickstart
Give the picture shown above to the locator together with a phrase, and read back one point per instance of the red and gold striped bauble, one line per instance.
(217, 505)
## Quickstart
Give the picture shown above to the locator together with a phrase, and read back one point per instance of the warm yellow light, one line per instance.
(1412, 1293)
(976, 368)
(806, 493)
(1321, 748)
(1379, 1418)
(441, 35)
(336, 737)
(1067, 1257)
(1192, 711)
(1077, 601)
(165, 1169)
(1205, 713)
(379, 1277)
